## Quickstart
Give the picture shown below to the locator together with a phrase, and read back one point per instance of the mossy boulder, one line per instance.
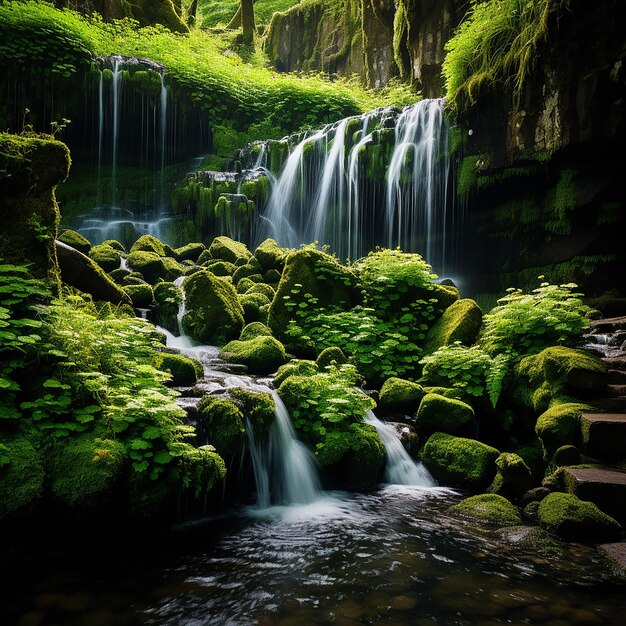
(250, 268)
(115, 244)
(244, 284)
(558, 372)
(445, 295)
(560, 426)
(261, 355)
(221, 268)
(271, 256)
(460, 322)
(314, 273)
(185, 371)
(255, 306)
(458, 462)
(107, 258)
(119, 275)
(400, 397)
(226, 249)
(223, 424)
(490, 508)
(253, 330)
(148, 264)
(447, 392)
(440, 414)
(330, 356)
(190, 252)
(168, 298)
(21, 475)
(513, 478)
(172, 269)
(82, 471)
(213, 313)
(566, 455)
(141, 295)
(573, 519)
(79, 271)
(76, 240)
(295, 367)
(272, 277)
(258, 408)
(263, 288)
(148, 243)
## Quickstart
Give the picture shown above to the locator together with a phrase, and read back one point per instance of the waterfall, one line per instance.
(261, 479)
(401, 469)
(116, 88)
(163, 105)
(381, 179)
(100, 131)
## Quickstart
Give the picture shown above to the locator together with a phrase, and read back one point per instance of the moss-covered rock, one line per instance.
(213, 313)
(295, 367)
(106, 257)
(185, 371)
(259, 408)
(314, 273)
(261, 355)
(250, 268)
(262, 288)
(560, 426)
(83, 470)
(79, 271)
(330, 356)
(532, 455)
(576, 520)
(190, 252)
(271, 256)
(244, 284)
(447, 392)
(223, 424)
(148, 264)
(148, 243)
(558, 372)
(254, 307)
(254, 329)
(76, 240)
(438, 413)
(168, 298)
(172, 269)
(221, 268)
(458, 462)
(141, 295)
(460, 322)
(400, 397)
(21, 475)
(566, 455)
(490, 508)
(226, 249)
(272, 277)
(119, 275)
(115, 244)
(513, 478)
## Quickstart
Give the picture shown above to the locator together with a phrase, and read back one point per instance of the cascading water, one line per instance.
(355, 188)
(401, 469)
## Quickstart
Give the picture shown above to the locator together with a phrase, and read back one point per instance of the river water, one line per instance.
(393, 556)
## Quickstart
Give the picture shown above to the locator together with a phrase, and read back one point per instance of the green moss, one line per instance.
(21, 475)
(116, 245)
(272, 277)
(119, 275)
(576, 520)
(185, 371)
(221, 268)
(262, 288)
(172, 269)
(254, 329)
(490, 508)
(533, 457)
(259, 408)
(446, 392)
(330, 356)
(149, 264)
(437, 413)
(296, 367)
(83, 470)
(168, 298)
(190, 252)
(213, 313)
(148, 243)
(309, 271)
(225, 249)
(565, 455)
(244, 284)
(248, 269)
(141, 295)
(223, 424)
(271, 256)
(399, 396)
(106, 257)
(76, 240)
(254, 307)
(458, 462)
(460, 322)
(514, 477)
(261, 355)
(560, 426)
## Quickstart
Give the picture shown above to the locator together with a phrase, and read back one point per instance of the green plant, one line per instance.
(470, 369)
(525, 324)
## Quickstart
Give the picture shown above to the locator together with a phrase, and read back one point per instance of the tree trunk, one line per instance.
(191, 13)
(236, 21)
(247, 21)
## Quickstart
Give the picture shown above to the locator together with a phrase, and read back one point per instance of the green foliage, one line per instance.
(498, 41)
(525, 324)
(220, 12)
(473, 370)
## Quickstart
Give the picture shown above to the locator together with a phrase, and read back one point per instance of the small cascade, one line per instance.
(116, 88)
(163, 147)
(100, 131)
(401, 469)
(261, 478)
(181, 308)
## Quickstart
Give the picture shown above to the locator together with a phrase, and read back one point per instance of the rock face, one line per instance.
(377, 39)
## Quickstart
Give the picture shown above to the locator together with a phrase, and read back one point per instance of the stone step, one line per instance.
(617, 552)
(609, 324)
(615, 391)
(615, 362)
(604, 435)
(604, 486)
(616, 377)
(611, 405)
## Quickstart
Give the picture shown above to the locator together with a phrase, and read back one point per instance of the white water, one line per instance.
(116, 87)
(400, 469)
